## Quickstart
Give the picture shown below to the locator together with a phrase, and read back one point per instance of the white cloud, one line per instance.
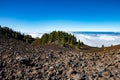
(99, 39)
(108, 37)
(34, 35)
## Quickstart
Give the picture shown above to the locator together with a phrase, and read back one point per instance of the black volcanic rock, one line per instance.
(25, 61)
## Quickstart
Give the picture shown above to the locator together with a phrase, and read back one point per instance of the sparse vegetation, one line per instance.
(104, 48)
(37, 41)
(58, 37)
(5, 31)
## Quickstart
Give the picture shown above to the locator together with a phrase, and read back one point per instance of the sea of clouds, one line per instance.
(95, 39)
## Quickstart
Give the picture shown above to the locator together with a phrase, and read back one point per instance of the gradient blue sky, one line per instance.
(67, 15)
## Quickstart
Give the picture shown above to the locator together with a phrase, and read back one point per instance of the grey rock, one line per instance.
(79, 77)
(51, 68)
(101, 70)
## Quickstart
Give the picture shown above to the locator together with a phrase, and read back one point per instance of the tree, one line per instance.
(37, 41)
(45, 39)
(69, 39)
(51, 38)
(27, 38)
(103, 46)
(8, 32)
(78, 44)
(63, 44)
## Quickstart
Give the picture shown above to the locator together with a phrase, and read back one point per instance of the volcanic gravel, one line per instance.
(22, 61)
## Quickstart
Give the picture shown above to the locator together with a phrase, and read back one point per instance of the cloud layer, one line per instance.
(97, 40)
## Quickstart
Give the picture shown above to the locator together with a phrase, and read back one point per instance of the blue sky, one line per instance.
(66, 15)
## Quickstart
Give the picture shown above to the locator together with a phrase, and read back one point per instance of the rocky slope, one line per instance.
(21, 61)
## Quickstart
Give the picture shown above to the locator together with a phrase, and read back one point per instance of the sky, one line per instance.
(35, 16)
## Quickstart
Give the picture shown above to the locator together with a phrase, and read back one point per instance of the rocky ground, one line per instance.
(21, 61)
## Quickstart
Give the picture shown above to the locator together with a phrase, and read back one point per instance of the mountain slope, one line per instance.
(22, 61)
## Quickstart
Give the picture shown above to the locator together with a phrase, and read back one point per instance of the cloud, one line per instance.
(99, 39)
(34, 35)
(108, 37)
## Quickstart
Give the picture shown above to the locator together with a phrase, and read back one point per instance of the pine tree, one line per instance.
(78, 44)
(51, 38)
(45, 39)
(102, 46)
(69, 39)
(37, 41)
(63, 44)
